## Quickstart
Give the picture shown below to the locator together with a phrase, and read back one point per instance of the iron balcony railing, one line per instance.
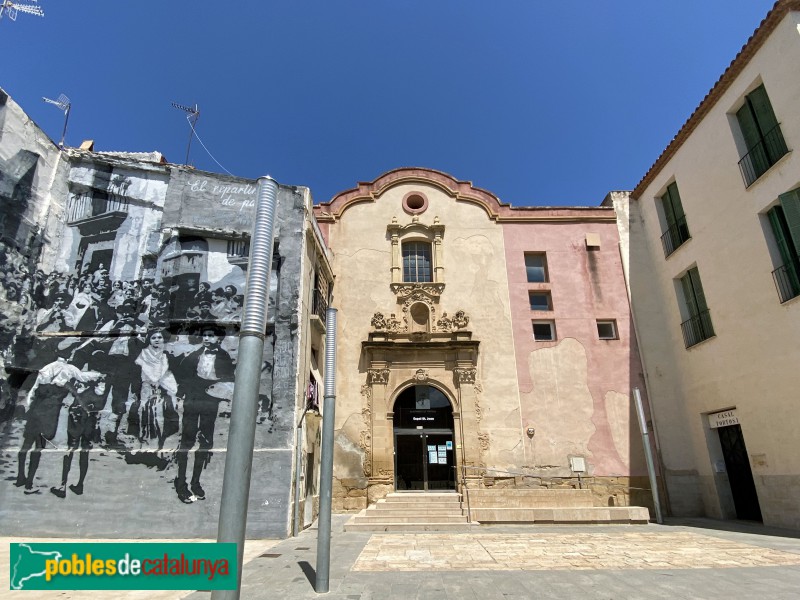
(85, 206)
(675, 236)
(697, 328)
(787, 280)
(763, 155)
(319, 305)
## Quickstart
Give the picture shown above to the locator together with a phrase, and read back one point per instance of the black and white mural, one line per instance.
(120, 363)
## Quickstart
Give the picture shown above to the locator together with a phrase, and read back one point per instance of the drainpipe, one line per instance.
(322, 582)
(648, 453)
(244, 407)
(298, 445)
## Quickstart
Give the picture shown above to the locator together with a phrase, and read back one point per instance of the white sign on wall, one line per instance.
(723, 419)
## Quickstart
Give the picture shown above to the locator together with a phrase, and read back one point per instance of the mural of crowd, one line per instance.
(134, 377)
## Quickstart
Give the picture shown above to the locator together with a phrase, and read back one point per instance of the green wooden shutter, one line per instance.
(688, 295)
(765, 117)
(699, 295)
(747, 124)
(790, 202)
(780, 238)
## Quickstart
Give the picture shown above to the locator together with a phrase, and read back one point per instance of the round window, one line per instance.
(415, 203)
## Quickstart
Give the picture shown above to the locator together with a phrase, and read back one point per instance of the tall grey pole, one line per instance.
(244, 407)
(648, 454)
(322, 582)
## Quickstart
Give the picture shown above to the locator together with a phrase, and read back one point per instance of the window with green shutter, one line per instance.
(762, 135)
(785, 222)
(677, 231)
(698, 326)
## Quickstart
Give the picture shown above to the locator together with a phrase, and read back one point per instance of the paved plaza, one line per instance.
(684, 559)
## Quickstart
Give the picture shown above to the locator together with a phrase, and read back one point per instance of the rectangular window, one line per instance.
(785, 222)
(417, 262)
(677, 231)
(540, 300)
(698, 326)
(762, 135)
(536, 268)
(544, 331)
(607, 330)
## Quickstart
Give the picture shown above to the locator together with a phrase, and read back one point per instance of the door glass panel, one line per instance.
(439, 456)
(410, 462)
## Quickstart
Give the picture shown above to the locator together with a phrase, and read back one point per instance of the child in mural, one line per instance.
(82, 425)
(219, 304)
(45, 401)
(157, 415)
(200, 374)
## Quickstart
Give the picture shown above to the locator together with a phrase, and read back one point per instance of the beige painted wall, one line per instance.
(476, 282)
(751, 364)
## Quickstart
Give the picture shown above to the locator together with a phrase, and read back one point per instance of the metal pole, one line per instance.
(66, 120)
(322, 582)
(648, 454)
(298, 456)
(244, 408)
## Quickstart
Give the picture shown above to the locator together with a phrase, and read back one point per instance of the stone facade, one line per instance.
(465, 334)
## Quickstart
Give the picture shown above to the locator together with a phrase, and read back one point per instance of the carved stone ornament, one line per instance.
(382, 323)
(459, 321)
(405, 290)
(421, 375)
(483, 441)
(465, 375)
(378, 376)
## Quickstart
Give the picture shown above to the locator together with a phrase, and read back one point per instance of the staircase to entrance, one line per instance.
(413, 511)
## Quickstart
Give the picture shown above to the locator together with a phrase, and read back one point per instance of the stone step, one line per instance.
(423, 497)
(389, 510)
(373, 518)
(582, 515)
(380, 504)
(400, 527)
(533, 498)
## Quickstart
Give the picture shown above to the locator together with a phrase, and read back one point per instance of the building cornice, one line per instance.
(767, 26)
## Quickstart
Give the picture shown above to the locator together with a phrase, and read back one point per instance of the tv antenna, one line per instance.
(192, 115)
(64, 104)
(12, 8)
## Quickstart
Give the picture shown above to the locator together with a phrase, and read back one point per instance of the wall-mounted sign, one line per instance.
(726, 418)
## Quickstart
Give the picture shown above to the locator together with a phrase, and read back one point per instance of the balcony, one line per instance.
(697, 328)
(763, 155)
(92, 214)
(675, 236)
(239, 252)
(787, 280)
(319, 305)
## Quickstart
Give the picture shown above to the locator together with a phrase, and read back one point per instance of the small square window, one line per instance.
(536, 268)
(540, 300)
(607, 330)
(544, 331)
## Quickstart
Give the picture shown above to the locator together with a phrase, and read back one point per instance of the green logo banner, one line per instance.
(134, 566)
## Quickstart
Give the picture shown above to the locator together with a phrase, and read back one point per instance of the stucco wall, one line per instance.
(750, 364)
(576, 391)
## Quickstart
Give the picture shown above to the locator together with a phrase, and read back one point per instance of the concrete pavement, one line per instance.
(684, 559)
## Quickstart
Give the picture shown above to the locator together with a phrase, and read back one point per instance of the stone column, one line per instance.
(380, 457)
(397, 275)
(470, 412)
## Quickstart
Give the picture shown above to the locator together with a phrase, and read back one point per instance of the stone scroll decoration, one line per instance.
(365, 440)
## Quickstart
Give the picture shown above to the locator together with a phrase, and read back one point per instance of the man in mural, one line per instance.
(82, 425)
(200, 374)
(45, 401)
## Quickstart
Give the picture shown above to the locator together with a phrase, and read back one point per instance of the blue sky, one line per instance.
(541, 103)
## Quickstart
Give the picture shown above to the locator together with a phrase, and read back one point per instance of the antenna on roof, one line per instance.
(192, 115)
(64, 104)
(12, 8)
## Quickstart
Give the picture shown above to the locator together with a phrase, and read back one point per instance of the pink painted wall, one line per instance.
(585, 285)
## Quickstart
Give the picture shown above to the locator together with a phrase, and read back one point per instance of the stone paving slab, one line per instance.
(563, 551)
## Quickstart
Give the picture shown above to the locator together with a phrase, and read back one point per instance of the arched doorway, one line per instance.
(424, 448)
